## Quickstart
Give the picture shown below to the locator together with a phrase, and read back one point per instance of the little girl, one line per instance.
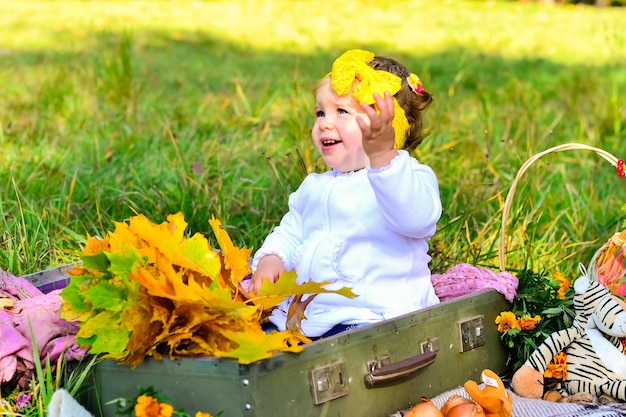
(365, 223)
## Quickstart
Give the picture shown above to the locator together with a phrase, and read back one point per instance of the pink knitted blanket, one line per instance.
(465, 279)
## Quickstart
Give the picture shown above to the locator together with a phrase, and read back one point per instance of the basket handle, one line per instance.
(613, 160)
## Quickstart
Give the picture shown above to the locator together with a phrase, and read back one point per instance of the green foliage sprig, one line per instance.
(542, 305)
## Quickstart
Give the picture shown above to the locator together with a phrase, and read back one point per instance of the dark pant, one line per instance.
(269, 326)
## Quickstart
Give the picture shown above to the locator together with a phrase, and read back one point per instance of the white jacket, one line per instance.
(367, 230)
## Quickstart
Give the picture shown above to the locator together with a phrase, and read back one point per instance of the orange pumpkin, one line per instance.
(458, 406)
(424, 409)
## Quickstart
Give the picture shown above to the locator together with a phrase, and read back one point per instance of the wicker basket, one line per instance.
(608, 265)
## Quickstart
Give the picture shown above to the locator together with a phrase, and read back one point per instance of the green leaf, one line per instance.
(99, 262)
(107, 296)
(553, 311)
(111, 342)
(513, 332)
(72, 294)
(568, 321)
(86, 341)
(111, 334)
(124, 263)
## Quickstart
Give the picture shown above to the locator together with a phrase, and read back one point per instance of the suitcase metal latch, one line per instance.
(329, 382)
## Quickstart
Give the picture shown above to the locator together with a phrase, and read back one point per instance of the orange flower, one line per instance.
(528, 323)
(201, 414)
(506, 321)
(563, 284)
(557, 368)
(148, 406)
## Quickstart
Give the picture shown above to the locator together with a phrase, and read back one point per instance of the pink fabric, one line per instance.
(23, 308)
(465, 279)
(16, 287)
(11, 343)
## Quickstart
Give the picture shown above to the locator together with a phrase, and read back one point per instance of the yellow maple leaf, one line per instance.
(122, 238)
(197, 251)
(168, 238)
(141, 318)
(235, 259)
(95, 245)
(273, 293)
(254, 344)
(287, 285)
(168, 284)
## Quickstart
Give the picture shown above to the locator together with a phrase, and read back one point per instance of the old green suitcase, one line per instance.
(371, 371)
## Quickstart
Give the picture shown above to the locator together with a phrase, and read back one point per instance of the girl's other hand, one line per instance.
(378, 135)
(269, 267)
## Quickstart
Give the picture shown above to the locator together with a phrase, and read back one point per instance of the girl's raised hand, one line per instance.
(378, 135)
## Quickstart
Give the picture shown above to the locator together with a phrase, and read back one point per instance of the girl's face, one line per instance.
(336, 134)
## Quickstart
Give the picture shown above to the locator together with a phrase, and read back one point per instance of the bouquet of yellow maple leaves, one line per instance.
(147, 290)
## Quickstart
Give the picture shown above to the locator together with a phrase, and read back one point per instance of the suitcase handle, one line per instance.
(386, 373)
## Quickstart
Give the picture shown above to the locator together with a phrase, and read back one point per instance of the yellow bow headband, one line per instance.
(353, 65)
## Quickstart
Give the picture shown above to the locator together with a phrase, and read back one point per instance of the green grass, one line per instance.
(108, 109)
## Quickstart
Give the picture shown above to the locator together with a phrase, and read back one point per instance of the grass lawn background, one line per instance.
(109, 109)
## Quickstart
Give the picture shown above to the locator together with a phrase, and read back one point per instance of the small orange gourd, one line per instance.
(458, 406)
(424, 409)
